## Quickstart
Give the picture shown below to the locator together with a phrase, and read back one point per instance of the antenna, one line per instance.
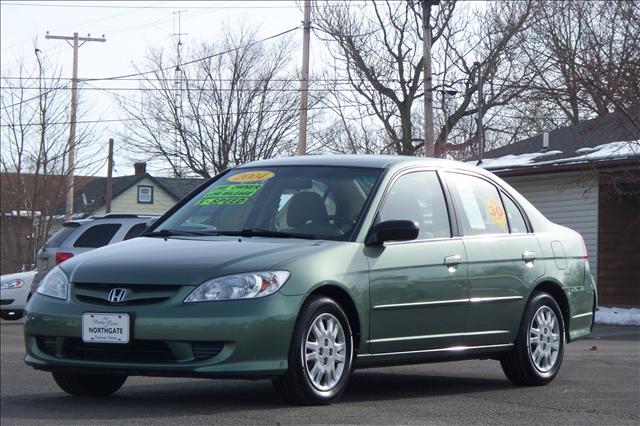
(178, 89)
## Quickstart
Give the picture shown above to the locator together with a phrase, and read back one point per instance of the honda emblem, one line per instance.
(116, 295)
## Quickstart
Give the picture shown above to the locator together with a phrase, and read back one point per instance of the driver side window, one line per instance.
(418, 197)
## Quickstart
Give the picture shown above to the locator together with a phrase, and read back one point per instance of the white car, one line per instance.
(14, 293)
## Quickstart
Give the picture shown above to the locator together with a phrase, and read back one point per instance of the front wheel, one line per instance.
(89, 384)
(539, 348)
(320, 355)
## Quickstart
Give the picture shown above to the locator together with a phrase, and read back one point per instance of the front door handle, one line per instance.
(529, 256)
(451, 261)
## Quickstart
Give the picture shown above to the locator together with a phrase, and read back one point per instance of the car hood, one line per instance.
(184, 261)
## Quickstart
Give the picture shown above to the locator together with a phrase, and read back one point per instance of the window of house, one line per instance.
(135, 230)
(145, 194)
(418, 197)
(97, 235)
(479, 205)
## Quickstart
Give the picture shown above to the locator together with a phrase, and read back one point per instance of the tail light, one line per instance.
(61, 257)
(585, 255)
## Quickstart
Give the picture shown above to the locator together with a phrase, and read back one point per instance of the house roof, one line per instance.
(92, 196)
(613, 137)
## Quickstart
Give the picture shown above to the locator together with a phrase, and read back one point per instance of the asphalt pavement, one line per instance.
(599, 383)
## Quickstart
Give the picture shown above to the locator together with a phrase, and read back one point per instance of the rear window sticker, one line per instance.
(496, 212)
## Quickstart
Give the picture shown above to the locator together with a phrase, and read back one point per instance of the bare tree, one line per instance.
(586, 60)
(376, 48)
(238, 103)
(33, 158)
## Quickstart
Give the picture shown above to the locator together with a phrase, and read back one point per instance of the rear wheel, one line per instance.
(539, 349)
(320, 355)
(89, 384)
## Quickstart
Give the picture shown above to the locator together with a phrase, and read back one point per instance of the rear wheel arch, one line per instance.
(345, 301)
(555, 290)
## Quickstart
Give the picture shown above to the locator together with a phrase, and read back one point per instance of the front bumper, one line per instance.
(13, 299)
(253, 337)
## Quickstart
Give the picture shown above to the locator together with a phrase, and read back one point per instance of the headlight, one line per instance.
(15, 283)
(241, 286)
(55, 284)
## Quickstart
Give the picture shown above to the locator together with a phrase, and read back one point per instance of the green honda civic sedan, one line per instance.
(302, 269)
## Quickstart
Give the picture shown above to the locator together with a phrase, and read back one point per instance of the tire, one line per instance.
(89, 384)
(539, 348)
(318, 377)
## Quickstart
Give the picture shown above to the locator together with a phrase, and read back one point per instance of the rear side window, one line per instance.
(56, 239)
(516, 221)
(135, 230)
(418, 197)
(97, 235)
(479, 205)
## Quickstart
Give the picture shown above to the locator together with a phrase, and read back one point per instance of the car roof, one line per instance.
(112, 218)
(362, 160)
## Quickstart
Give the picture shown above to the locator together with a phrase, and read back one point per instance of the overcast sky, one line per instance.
(130, 28)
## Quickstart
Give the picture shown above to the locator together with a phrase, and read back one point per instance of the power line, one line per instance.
(120, 77)
(111, 6)
(36, 97)
(126, 76)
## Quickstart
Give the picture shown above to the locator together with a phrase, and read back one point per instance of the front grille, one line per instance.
(137, 351)
(204, 350)
(47, 344)
(139, 294)
(6, 301)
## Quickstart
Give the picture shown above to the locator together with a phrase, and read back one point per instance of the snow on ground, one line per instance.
(618, 316)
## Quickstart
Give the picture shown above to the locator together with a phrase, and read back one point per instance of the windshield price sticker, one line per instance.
(253, 176)
(105, 328)
(229, 194)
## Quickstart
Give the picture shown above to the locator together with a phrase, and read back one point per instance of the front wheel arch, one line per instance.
(345, 301)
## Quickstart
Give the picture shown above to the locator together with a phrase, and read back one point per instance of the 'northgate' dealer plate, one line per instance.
(105, 328)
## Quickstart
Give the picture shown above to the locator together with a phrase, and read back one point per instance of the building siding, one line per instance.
(127, 202)
(568, 199)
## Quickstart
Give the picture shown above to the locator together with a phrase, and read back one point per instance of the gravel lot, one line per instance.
(599, 383)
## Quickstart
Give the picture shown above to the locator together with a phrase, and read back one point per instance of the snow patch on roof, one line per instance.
(618, 316)
(607, 151)
(516, 160)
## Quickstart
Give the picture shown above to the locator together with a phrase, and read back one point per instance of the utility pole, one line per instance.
(304, 84)
(107, 197)
(480, 112)
(74, 109)
(178, 93)
(428, 88)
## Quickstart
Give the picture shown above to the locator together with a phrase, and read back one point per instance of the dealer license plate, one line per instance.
(105, 328)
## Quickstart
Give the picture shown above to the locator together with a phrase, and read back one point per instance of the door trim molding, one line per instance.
(436, 336)
(447, 302)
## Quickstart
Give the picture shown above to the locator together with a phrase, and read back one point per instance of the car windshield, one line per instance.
(291, 202)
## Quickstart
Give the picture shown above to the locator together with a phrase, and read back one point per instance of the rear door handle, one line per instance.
(454, 260)
(529, 256)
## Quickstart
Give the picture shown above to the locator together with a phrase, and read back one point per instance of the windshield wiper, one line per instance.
(165, 233)
(255, 232)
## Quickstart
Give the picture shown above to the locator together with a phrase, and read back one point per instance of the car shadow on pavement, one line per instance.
(188, 398)
(371, 386)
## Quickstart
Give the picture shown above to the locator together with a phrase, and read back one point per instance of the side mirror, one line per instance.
(392, 230)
